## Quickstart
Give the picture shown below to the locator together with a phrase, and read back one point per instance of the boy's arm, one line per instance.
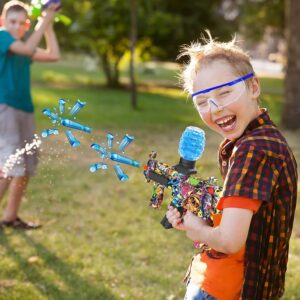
(229, 237)
(52, 53)
(231, 234)
(28, 47)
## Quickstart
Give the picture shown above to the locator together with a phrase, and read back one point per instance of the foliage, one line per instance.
(102, 28)
(254, 16)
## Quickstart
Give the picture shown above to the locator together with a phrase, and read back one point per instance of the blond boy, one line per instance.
(249, 243)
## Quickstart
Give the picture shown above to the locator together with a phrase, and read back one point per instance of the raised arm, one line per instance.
(29, 46)
(52, 52)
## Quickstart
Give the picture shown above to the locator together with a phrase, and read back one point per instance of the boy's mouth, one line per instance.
(227, 123)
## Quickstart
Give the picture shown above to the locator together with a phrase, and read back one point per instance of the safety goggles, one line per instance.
(220, 95)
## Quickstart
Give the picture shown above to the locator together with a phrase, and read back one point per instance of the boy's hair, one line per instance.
(208, 51)
(14, 6)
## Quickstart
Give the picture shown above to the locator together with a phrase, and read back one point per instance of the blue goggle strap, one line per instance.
(225, 84)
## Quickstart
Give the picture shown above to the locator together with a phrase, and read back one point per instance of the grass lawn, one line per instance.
(100, 240)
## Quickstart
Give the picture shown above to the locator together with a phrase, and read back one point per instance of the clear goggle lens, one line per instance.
(220, 97)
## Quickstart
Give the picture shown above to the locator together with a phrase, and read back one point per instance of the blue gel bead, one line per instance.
(110, 138)
(121, 175)
(97, 166)
(50, 114)
(72, 140)
(127, 139)
(77, 107)
(61, 105)
(99, 149)
(45, 133)
(124, 160)
(75, 125)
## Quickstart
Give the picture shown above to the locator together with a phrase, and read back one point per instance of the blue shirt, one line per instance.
(14, 75)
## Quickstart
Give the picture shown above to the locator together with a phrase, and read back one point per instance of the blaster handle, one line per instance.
(165, 223)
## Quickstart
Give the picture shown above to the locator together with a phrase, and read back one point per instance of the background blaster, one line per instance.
(38, 6)
(188, 193)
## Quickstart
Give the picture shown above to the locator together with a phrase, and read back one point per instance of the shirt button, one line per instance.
(224, 163)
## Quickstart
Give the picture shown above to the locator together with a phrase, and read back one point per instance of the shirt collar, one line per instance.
(261, 120)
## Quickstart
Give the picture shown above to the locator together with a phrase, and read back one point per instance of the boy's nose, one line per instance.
(214, 106)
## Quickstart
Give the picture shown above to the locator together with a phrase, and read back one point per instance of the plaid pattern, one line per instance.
(260, 165)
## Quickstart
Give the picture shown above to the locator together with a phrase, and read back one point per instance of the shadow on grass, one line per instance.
(72, 286)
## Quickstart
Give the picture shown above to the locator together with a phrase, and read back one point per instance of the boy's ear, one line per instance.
(27, 24)
(255, 88)
(1, 23)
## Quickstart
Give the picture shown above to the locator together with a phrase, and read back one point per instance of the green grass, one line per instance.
(100, 240)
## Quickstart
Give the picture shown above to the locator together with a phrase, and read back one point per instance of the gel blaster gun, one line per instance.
(189, 193)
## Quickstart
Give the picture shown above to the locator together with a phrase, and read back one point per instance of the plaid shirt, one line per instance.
(260, 165)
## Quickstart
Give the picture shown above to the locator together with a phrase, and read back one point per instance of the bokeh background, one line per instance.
(99, 239)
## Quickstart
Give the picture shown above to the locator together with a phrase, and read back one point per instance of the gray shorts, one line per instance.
(16, 129)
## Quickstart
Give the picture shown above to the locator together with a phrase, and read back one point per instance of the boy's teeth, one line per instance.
(225, 120)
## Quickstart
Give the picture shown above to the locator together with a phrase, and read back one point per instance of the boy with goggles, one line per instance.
(244, 255)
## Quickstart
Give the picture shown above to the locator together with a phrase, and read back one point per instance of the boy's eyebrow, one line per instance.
(225, 84)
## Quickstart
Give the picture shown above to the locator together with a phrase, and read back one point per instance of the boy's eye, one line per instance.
(223, 93)
(202, 103)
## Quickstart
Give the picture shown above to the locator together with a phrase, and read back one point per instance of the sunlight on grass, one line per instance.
(100, 240)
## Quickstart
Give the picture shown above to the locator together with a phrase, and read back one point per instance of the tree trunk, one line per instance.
(291, 113)
(133, 38)
(111, 71)
(106, 69)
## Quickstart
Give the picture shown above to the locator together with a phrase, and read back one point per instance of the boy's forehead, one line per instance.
(12, 14)
(213, 74)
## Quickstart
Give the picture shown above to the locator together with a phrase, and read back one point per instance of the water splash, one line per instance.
(13, 159)
(115, 157)
(65, 121)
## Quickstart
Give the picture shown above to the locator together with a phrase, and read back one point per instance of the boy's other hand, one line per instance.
(174, 218)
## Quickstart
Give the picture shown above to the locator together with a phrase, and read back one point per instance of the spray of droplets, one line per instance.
(118, 158)
(15, 158)
(59, 120)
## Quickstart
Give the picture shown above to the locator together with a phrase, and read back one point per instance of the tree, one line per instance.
(103, 28)
(291, 113)
(133, 35)
(283, 16)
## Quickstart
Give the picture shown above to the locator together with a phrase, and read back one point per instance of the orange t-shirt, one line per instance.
(223, 277)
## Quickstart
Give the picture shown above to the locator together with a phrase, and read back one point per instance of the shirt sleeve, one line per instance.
(251, 174)
(6, 40)
(239, 202)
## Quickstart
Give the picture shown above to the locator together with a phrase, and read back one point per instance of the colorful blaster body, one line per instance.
(189, 193)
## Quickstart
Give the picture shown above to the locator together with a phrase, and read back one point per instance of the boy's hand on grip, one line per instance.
(174, 217)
